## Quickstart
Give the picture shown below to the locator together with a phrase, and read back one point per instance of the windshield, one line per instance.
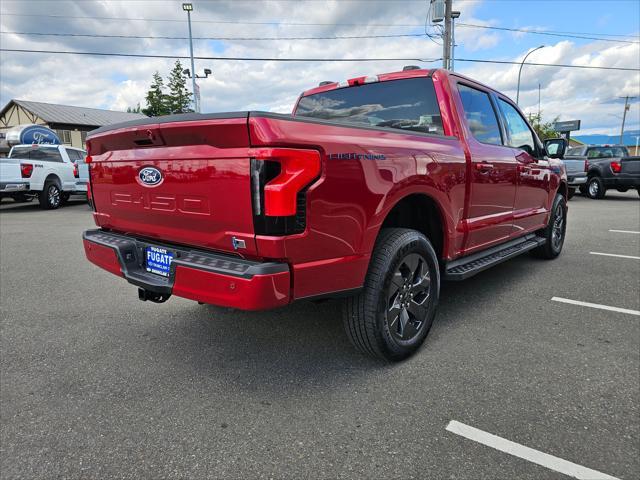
(408, 104)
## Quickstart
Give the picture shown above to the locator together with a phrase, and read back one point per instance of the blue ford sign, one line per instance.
(150, 176)
(35, 134)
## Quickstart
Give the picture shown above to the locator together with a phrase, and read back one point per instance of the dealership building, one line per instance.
(70, 123)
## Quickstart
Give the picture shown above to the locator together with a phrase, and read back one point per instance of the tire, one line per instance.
(51, 196)
(555, 231)
(622, 190)
(391, 317)
(595, 188)
(571, 193)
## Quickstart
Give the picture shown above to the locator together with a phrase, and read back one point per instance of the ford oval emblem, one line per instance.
(150, 176)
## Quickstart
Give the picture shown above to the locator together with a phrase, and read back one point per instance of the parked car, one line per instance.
(608, 166)
(576, 169)
(374, 189)
(49, 172)
(12, 185)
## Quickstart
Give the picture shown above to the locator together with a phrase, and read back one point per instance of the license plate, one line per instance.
(158, 261)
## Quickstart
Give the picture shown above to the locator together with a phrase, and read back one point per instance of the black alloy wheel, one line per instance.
(407, 298)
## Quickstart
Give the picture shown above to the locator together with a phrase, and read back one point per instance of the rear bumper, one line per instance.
(11, 187)
(623, 180)
(203, 276)
(576, 180)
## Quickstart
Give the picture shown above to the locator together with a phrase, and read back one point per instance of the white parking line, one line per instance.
(526, 453)
(614, 255)
(625, 231)
(596, 305)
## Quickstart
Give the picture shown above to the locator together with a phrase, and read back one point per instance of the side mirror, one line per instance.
(555, 147)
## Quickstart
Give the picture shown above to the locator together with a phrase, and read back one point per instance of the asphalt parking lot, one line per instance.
(95, 383)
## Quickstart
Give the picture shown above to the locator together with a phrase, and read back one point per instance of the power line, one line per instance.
(562, 65)
(276, 59)
(93, 35)
(552, 34)
(318, 24)
(248, 59)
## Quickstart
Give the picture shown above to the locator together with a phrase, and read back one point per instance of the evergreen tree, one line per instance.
(135, 109)
(179, 98)
(156, 98)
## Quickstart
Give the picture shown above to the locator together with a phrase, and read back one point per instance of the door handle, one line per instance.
(484, 166)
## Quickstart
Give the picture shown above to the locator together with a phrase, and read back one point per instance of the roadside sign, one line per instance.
(567, 126)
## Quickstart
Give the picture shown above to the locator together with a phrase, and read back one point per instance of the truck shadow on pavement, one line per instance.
(303, 346)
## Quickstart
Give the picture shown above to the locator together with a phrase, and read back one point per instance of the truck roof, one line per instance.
(382, 77)
(410, 72)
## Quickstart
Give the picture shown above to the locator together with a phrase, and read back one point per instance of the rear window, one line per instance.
(575, 152)
(408, 104)
(45, 154)
(606, 152)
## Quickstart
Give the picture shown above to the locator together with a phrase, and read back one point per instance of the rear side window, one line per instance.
(408, 104)
(480, 115)
(37, 153)
(519, 133)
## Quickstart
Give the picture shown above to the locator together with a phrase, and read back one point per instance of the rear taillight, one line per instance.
(76, 173)
(586, 166)
(616, 167)
(279, 179)
(26, 169)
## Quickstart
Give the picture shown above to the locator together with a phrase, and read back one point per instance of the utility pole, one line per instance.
(446, 44)
(624, 116)
(188, 7)
(454, 15)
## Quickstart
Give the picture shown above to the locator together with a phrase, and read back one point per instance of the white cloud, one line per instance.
(112, 82)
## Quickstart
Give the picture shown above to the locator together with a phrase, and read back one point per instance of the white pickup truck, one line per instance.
(50, 172)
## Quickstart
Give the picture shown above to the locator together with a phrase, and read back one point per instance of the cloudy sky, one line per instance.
(118, 82)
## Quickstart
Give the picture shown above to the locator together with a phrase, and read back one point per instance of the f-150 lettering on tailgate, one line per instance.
(194, 205)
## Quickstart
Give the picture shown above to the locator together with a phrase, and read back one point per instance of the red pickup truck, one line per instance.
(374, 189)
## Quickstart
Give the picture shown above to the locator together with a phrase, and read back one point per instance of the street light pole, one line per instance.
(520, 72)
(188, 7)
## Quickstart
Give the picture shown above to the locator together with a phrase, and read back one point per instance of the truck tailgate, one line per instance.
(630, 165)
(10, 170)
(185, 182)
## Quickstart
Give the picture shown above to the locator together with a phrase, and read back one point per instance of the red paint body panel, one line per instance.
(205, 196)
(103, 257)
(258, 293)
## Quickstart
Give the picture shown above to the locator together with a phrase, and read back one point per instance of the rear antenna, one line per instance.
(410, 67)
(326, 82)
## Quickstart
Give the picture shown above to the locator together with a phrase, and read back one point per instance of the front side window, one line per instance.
(408, 104)
(518, 130)
(480, 115)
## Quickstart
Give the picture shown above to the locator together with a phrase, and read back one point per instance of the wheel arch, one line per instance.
(421, 212)
(563, 189)
(53, 177)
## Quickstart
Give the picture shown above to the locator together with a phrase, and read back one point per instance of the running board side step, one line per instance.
(465, 267)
